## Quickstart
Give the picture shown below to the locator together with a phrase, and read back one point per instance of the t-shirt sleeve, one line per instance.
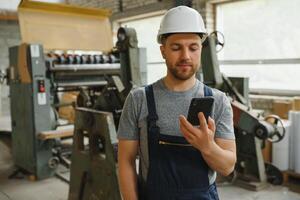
(224, 124)
(128, 127)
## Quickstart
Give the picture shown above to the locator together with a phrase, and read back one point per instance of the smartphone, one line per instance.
(204, 104)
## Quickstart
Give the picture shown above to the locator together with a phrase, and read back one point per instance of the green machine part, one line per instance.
(210, 64)
(93, 169)
(30, 110)
(251, 130)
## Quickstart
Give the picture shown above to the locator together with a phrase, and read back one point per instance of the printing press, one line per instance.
(37, 79)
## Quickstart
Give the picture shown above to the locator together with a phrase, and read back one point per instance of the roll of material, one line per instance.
(294, 163)
(280, 150)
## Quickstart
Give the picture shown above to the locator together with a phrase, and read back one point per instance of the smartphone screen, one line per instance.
(197, 105)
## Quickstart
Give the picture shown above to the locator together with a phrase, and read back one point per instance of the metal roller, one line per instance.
(78, 67)
(70, 59)
(97, 59)
(105, 58)
(77, 59)
(84, 59)
(91, 59)
(113, 59)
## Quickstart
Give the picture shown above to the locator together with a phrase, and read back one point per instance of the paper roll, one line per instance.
(296, 127)
(280, 150)
(294, 163)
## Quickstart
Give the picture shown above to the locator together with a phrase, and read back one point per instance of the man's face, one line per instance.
(182, 53)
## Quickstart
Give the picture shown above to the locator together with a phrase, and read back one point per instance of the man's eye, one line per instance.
(175, 48)
(194, 48)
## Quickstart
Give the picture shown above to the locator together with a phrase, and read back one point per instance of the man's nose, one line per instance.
(185, 54)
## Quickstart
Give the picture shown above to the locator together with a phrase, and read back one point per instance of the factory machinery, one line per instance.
(252, 130)
(95, 175)
(37, 79)
(103, 81)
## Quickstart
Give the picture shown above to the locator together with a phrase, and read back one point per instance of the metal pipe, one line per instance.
(83, 83)
(76, 67)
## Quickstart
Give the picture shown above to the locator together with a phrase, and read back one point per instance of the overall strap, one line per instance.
(153, 129)
(152, 115)
(152, 137)
(207, 91)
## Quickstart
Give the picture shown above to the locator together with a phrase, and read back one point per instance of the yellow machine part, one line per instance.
(65, 27)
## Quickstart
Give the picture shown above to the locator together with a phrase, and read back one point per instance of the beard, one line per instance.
(182, 74)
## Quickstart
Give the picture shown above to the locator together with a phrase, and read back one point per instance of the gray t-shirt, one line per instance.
(169, 105)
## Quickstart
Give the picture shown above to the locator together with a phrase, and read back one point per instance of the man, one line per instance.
(176, 160)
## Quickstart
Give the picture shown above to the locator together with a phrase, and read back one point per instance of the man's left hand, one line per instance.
(202, 138)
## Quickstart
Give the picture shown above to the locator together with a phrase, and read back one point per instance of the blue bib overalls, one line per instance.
(177, 171)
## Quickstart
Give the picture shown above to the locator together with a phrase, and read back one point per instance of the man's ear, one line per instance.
(162, 51)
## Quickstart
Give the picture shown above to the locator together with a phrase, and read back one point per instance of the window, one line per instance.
(262, 42)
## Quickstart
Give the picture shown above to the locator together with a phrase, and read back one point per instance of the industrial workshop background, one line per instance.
(257, 46)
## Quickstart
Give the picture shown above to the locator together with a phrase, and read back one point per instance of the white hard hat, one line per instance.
(181, 19)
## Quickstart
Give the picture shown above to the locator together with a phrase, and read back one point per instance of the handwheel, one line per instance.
(278, 134)
(220, 40)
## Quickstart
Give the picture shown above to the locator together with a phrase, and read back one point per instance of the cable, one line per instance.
(8, 197)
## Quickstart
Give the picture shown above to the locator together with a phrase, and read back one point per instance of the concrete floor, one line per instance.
(55, 189)
(271, 193)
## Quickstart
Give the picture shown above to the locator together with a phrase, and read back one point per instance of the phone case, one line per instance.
(197, 105)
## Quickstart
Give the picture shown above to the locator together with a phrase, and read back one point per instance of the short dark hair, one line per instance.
(165, 36)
